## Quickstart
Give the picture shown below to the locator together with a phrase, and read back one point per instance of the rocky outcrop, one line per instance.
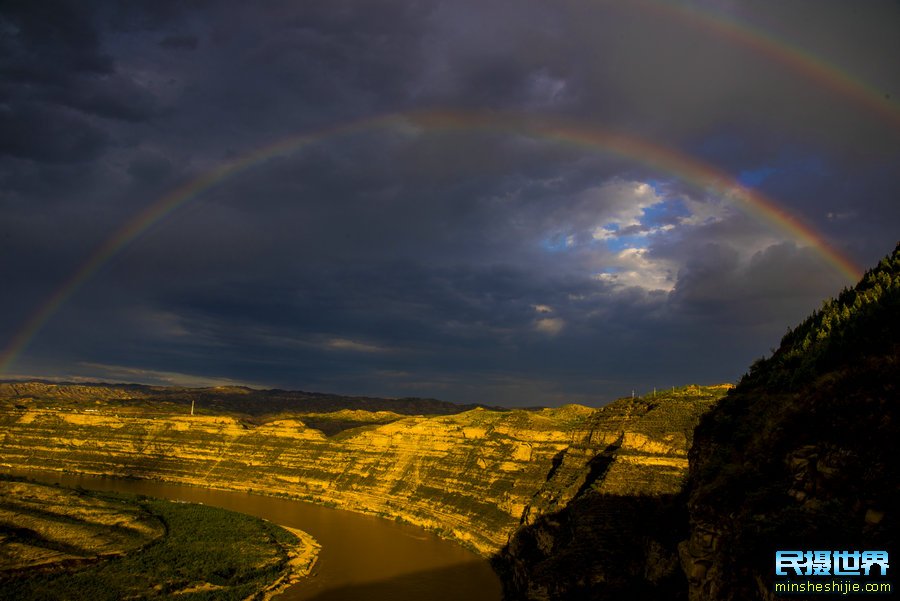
(474, 476)
(606, 523)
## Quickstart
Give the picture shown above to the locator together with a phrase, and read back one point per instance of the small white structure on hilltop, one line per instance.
(192, 406)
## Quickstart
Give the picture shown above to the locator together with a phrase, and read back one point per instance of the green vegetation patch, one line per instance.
(206, 553)
(860, 321)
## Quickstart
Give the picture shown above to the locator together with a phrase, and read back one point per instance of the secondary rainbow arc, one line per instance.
(790, 56)
(589, 136)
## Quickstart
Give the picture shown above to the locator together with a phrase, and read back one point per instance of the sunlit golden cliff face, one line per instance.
(474, 476)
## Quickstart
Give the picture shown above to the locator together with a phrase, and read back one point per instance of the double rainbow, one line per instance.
(593, 138)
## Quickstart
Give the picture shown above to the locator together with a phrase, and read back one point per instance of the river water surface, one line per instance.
(362, 557)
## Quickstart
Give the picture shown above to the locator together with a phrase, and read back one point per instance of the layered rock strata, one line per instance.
(606, 522)
(475, 476)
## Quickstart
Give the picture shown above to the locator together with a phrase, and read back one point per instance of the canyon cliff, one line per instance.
(634, 498)
(474, 476)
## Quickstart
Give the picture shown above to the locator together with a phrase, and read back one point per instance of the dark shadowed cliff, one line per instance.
(803, 453)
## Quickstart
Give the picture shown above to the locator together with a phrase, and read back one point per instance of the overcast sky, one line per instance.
(459, 249)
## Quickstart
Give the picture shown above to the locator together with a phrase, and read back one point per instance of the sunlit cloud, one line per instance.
(620, 204)
(634, 267)
(550, 325)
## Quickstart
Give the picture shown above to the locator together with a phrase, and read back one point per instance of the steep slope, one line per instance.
(606, 524)
(471, 475)
(803, 453)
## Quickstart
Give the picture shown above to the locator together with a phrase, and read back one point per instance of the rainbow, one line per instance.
(801, 62)
(654, 155)
(590, 137)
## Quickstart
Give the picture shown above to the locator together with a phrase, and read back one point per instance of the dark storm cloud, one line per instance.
(775, 283)
(57, 79)
(179, 42)
(44, 41)
(44, 134)
(464, 262)
(113, 97)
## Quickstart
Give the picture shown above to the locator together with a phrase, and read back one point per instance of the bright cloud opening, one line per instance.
(634, 267)
(550, 325)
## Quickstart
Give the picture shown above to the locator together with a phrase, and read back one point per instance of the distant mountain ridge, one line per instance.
(224, 399)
